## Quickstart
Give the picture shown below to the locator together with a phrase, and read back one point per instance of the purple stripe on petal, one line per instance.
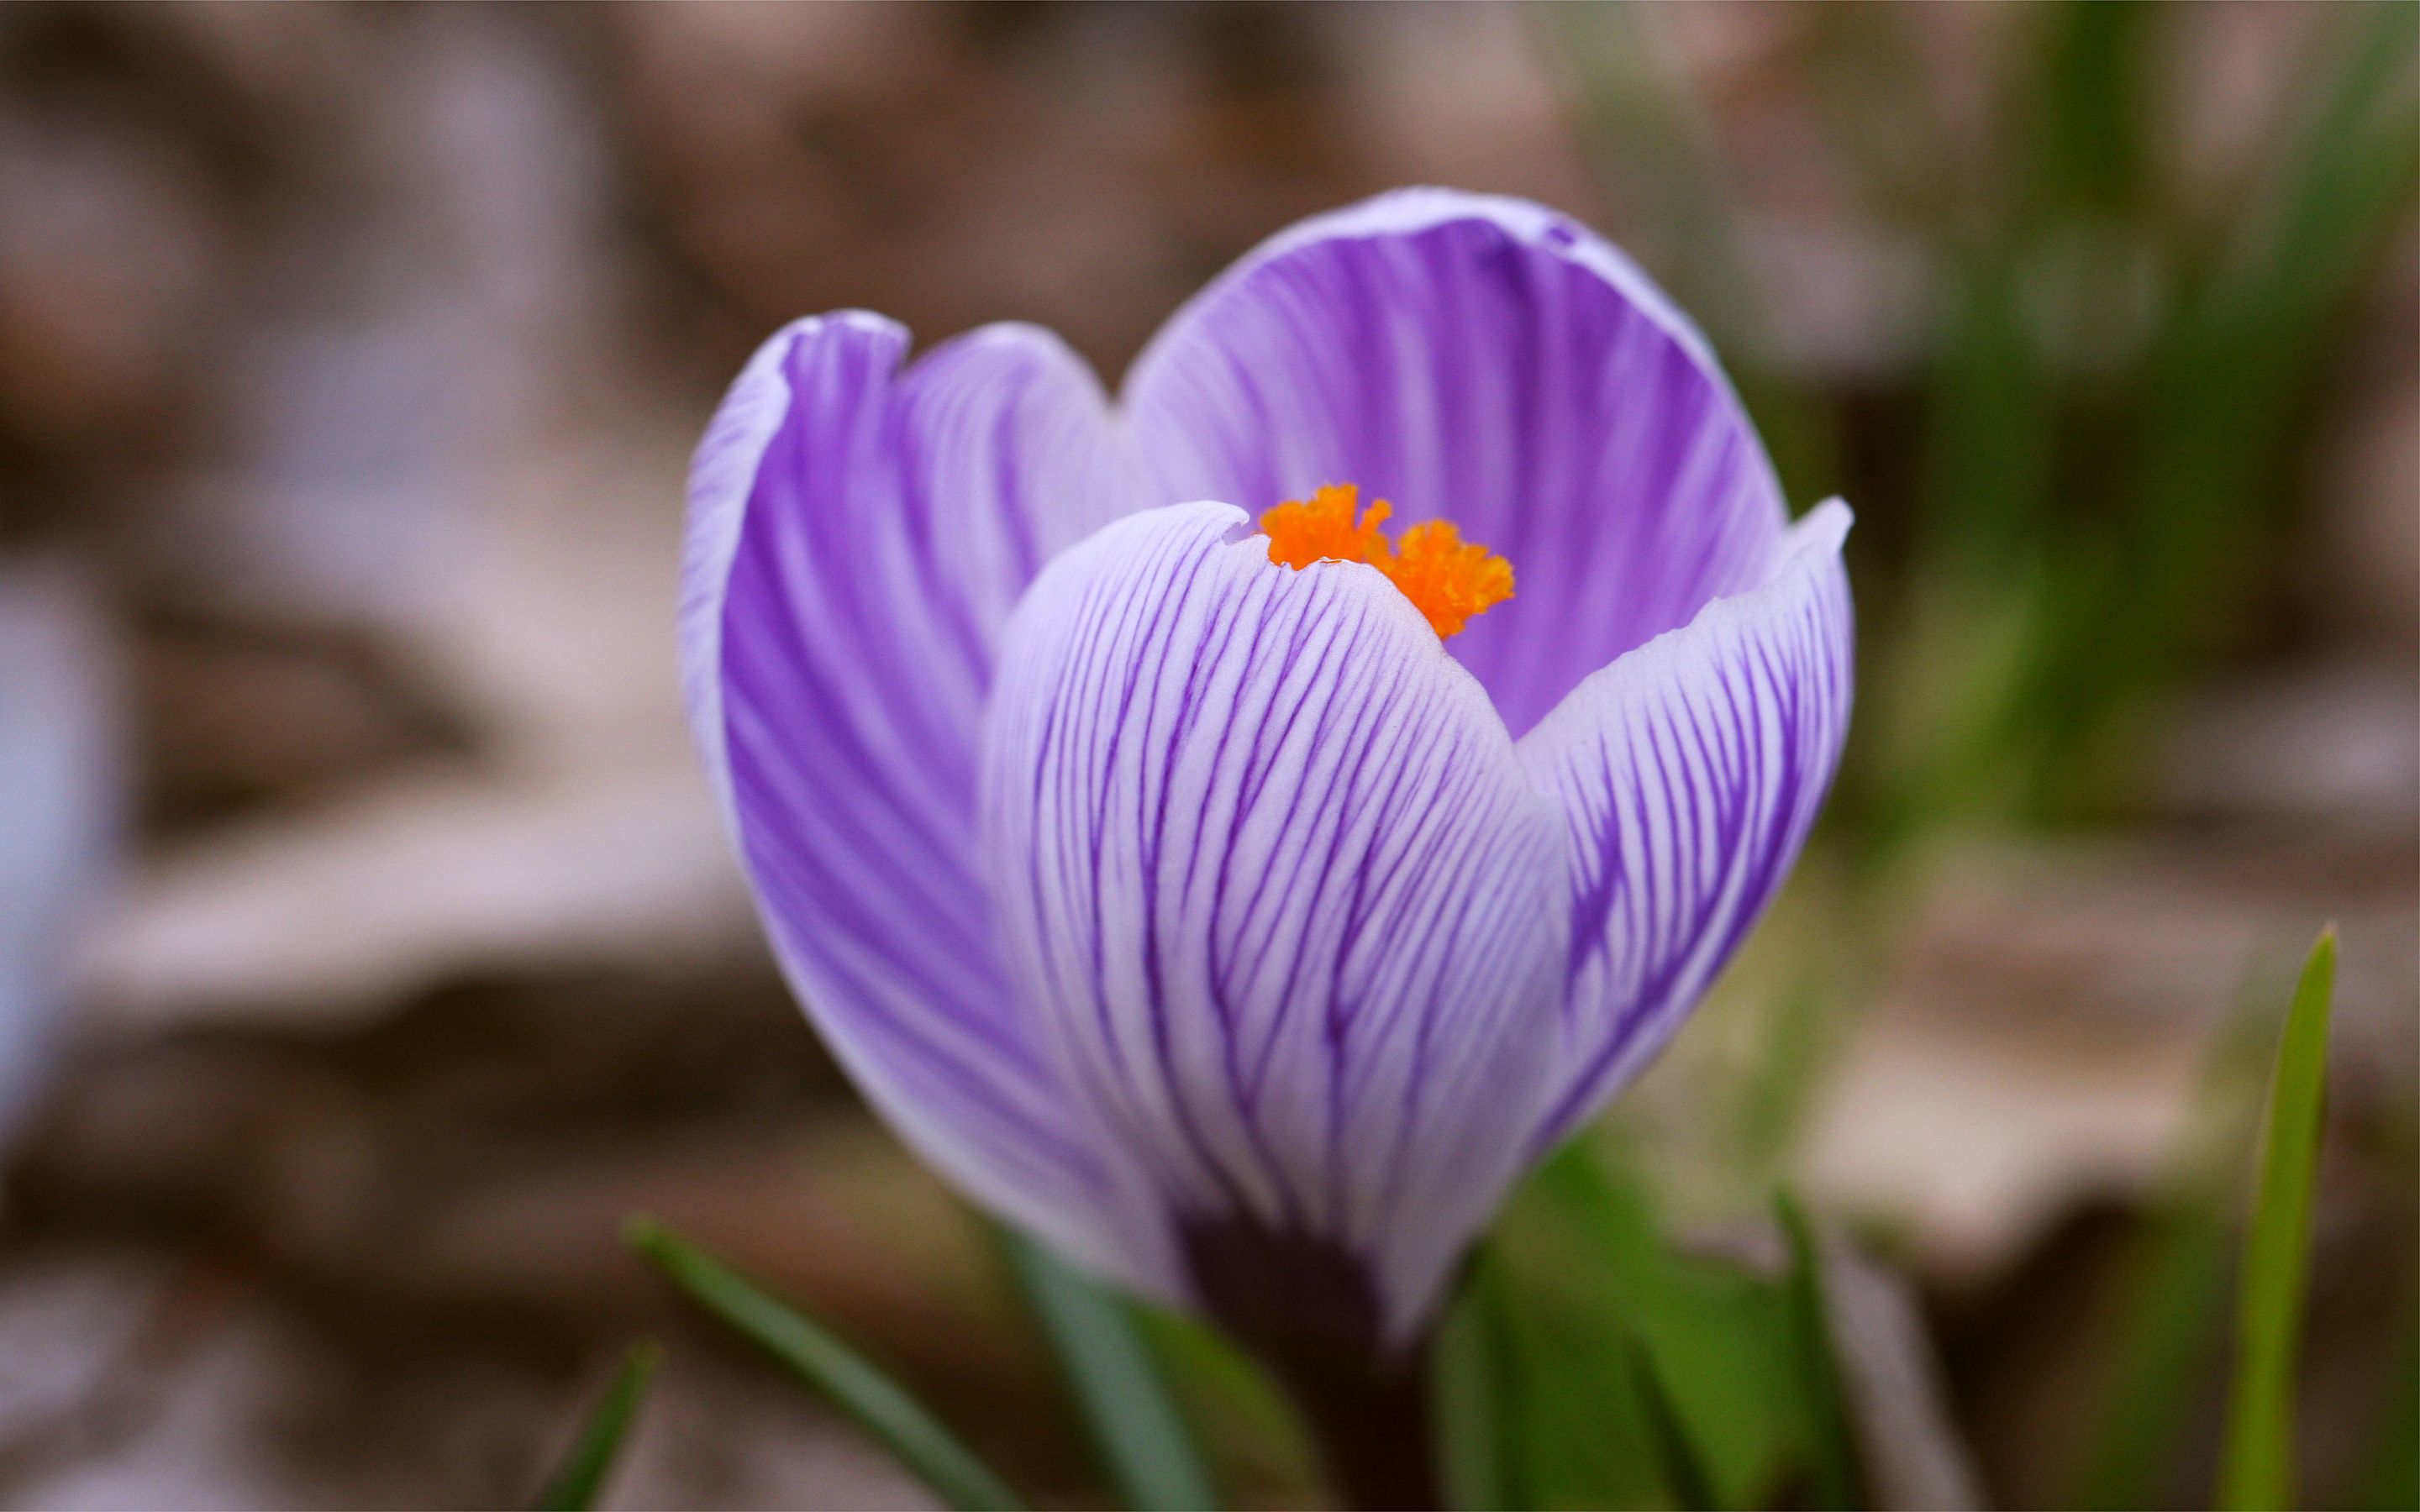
(1688, 773)
(1490, 361)
(857, 536)
(1269, 868)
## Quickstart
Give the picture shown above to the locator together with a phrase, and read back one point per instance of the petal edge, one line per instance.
(1689, 773)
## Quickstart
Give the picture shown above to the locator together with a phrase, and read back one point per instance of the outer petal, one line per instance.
(1689, 772)
(857, 537)
(1268, 865)
(1492, 361)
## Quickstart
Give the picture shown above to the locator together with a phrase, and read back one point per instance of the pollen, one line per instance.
(1325, 529)
(1447, 578)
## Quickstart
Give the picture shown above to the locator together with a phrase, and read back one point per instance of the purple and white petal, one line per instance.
(1688, 773)
(1490, 361)
(857, 536)
(1268, 865)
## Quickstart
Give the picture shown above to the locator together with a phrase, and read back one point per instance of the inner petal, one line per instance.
(1448, 580)
(1494, 363)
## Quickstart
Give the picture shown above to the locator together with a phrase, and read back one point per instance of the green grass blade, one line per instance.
(817, 1356)
(1583, 1290)
(1470, 1395)
(1684, 1474)
(1246, 1424)
(581, 1475)
(1837, 1473)
(2259, 1472)
(1142, 1437)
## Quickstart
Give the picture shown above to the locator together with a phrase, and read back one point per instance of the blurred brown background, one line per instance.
(367, 947)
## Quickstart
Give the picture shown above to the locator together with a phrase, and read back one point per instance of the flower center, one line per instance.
(1447, 579)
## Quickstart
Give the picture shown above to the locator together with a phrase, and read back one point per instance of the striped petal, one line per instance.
(1688, 773)
(1491, 362)
(858, 535)
(1267, 865)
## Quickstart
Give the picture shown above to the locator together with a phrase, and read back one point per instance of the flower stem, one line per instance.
(1308, 1311)
(1372, 1427)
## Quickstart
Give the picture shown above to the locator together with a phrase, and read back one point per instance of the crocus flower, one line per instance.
(1241, 909)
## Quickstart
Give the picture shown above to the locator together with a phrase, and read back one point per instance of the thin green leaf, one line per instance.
(580, 1476)
(1579, 1279)
(1717, 1333)
(1246, 1424)
(1576, 1435)
(819, 1357)
(1683, 1473)
(2258, 1471)
(1142, 1437)
(1469, 1396)
(1837, 1473)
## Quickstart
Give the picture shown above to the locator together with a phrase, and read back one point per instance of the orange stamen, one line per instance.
(1447, 579)
(1323, 529)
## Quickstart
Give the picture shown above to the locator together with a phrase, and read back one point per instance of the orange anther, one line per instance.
(1447, 579)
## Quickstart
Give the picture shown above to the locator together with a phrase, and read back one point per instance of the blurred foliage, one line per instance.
(1589, 1364)
(2102, 438)
(2392, 1477)
(2165, 1325)
(1592, 1359)
(1834, 1473)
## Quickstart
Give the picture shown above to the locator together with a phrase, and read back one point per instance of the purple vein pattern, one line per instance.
(1688, 773)
(1508, 370)
(1282, 889)
(1145, 884)
(857, 536)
